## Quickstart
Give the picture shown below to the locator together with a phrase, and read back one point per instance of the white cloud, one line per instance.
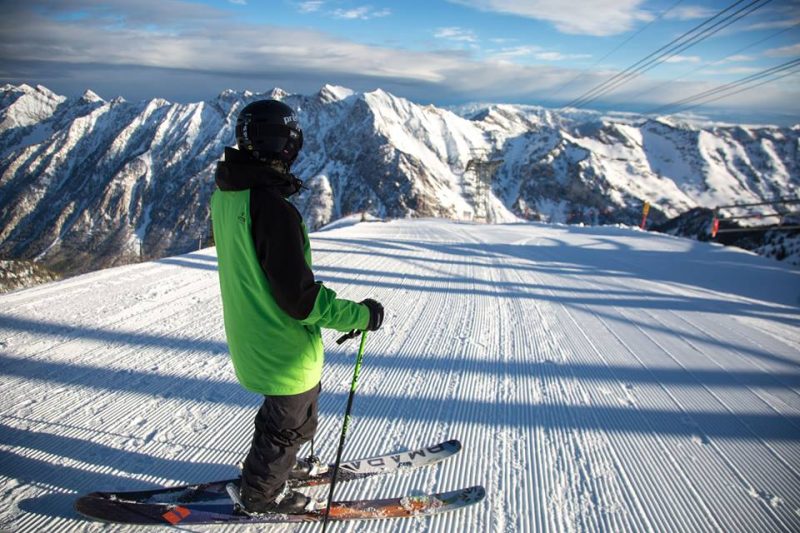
(238, 2)
(517, 51)
(588, 17)
(311, 6)
(689, 13)
(365, 12)
(784, 51)
(362, 13)
(150, 13)
(738, 58)
(161, 34)
(683, 59)
(232, 48)
(532, 52)
(786, 22)
(732, 71)
(456, 34)
(502, 40)
(558, 56)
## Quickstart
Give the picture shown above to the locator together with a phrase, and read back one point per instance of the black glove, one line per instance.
(375, 314)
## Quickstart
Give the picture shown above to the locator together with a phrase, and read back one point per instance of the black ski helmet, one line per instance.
(268, 129)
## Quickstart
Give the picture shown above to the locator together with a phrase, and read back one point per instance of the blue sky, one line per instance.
(448, 52)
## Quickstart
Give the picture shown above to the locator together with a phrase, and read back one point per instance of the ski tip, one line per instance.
(85, 503)
(477, 493)
(470, 495)
(79, 504)
(454, 444)
(94, 495)
(463, 496)
(95, 508)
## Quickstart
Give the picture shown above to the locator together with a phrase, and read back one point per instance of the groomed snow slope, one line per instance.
(601, 379)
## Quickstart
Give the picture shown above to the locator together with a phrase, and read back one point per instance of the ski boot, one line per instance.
(288, 501)
(307, 468)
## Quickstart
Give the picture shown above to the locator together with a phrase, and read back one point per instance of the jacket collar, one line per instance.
(239, 171)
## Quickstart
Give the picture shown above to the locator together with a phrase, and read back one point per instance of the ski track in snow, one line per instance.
(597, 379)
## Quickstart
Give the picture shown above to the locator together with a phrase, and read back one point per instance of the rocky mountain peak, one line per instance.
(334, 93)
(86, 184)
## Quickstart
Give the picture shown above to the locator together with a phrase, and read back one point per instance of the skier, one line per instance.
(273, 308)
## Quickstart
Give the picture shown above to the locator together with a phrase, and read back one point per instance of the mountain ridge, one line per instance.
(87, 183)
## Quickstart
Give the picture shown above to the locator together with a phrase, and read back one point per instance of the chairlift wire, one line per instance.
(636, 64)
(673, 48)
(732, 85)
(793, 67)
(717, 62)
(786, 75)
(708, 32)
(616, 48)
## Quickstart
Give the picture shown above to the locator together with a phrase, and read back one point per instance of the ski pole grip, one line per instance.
(347, 336)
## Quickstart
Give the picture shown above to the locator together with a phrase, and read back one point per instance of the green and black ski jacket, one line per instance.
(272, 305)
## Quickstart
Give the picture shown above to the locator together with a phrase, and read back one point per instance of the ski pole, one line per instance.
(353, 384)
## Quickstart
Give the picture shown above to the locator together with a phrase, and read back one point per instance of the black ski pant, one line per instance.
(282, 425)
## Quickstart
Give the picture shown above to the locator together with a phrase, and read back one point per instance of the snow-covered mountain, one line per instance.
(87, 183)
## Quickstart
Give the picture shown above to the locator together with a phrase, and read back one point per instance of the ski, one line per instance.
(349, 471)
(225, 512)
